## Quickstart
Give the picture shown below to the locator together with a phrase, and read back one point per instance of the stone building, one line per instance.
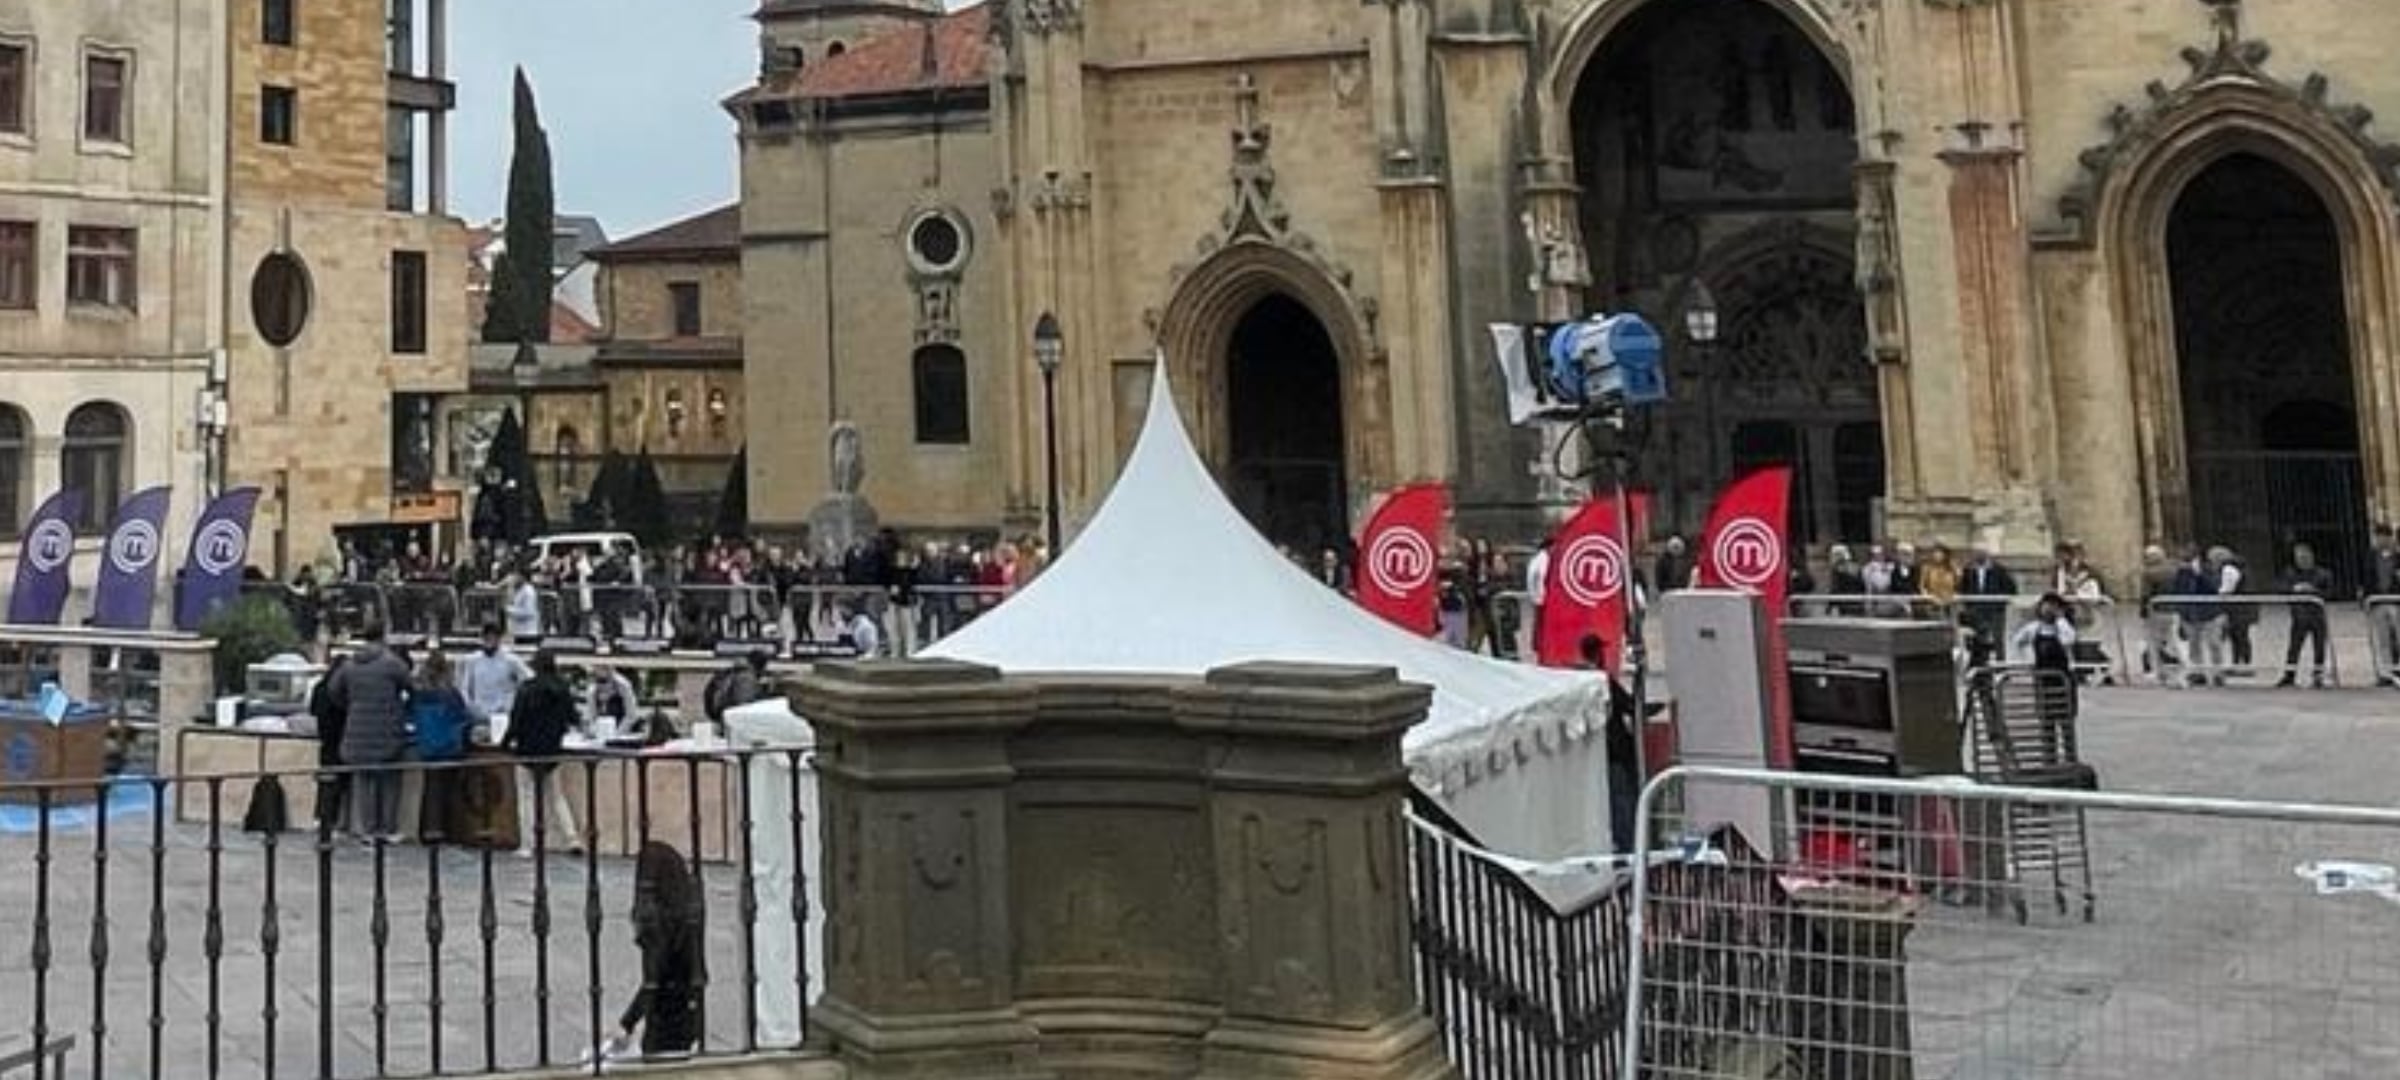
(661, 371)
(1997, 271)
(110, 194)
(347, 287)
(670, 350)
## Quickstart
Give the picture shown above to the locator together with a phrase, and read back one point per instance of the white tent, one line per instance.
(1169, 579)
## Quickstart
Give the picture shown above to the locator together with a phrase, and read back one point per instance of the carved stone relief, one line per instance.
(2231, 60)
(944, 920)
(1256, 214)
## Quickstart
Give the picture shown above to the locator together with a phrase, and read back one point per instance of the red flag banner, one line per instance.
(1586, 589)
(1747, 546)
(1398, 562)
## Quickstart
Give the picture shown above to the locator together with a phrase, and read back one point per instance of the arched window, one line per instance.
(719, 411)
(940, 375)
(569, 447)
(12, 470)
(93, 459)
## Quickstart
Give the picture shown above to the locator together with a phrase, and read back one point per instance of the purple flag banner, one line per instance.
(129, 573)
(43, 562)
(212, 569)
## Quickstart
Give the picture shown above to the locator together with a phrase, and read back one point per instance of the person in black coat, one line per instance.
(538, 722)
(666, 926)
(1984, 587)
(333, 788)
(372, 692)
(2306, 579)
(1624, 771)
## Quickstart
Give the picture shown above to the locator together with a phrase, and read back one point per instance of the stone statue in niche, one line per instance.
(1558, 260)
(843, 519)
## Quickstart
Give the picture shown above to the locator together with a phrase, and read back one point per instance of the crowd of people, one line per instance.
(378, 713)
(2199, 607)
(695, 595)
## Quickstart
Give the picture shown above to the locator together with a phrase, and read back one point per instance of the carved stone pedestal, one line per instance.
(1117, 877)
(912, 763)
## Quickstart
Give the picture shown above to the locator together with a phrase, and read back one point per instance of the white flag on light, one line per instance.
(1524, 397)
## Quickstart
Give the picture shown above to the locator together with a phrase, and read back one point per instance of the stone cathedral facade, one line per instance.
(1990, 271)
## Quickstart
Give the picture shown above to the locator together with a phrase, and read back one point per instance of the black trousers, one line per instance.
(2312, 631)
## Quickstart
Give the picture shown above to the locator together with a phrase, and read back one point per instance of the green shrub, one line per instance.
(248, 632)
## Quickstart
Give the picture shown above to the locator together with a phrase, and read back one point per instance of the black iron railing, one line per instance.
(307, 953)
(1525, 991)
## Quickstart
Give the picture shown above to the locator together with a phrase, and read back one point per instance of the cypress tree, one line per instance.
(733, 505)
(532, 223)
(500, 304)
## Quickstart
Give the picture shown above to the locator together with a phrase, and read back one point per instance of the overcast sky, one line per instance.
(629, 90)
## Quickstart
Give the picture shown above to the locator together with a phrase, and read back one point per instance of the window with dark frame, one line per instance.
(278, 24)
(105, 80)
(102, 268)
(12, 471)
(408, 301)
(940, 376)
(17, 274)
(685, 296)
(93, 458)
(16, 87)
(278, 115)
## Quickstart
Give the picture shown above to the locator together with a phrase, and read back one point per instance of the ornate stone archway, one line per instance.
(1195, 331)
(1573, 40)
(1257, 251)
(2230, 104)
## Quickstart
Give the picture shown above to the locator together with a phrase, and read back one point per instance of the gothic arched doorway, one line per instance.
(2263, 365)
(1714, 143)
(1284, 450)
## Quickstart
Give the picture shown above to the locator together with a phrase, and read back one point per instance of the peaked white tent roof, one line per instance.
(1169, 579)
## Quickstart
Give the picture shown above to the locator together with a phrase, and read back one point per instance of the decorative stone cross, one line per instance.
(1249, 133)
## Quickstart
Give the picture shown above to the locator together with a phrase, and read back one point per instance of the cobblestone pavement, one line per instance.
(2208, 956)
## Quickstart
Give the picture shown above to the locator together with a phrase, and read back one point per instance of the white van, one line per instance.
(596, 545)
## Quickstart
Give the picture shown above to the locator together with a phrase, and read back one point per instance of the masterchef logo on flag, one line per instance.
(1587, 587)
(1591, 571)
(1748, 554)
(1745, 548)
(1397, 560)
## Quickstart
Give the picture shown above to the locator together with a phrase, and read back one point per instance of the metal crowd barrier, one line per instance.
(808, 613)
(2211, 937)
(2218, 638)
(2100, 634)
(2383, 637)
(256, 935)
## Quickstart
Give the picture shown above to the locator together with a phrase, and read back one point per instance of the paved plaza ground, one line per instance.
(2209, 956)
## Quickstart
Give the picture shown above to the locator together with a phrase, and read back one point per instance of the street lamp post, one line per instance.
(1049, 347)
(1700, 329)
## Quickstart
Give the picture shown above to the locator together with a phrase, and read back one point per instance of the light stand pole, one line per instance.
(1049, 348)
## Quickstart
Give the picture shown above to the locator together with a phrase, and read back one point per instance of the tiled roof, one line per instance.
(718, 230)
(898, 62)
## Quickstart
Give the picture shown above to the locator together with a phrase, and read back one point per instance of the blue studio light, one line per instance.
(1607, 358)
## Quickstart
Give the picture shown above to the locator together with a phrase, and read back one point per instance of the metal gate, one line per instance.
(1523, 991)
(2259, 503)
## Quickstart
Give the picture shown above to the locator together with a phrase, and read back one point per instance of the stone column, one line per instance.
(1312, 889)
(74, 671)
(914, 771)
(187, 690)
(2006, 399)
